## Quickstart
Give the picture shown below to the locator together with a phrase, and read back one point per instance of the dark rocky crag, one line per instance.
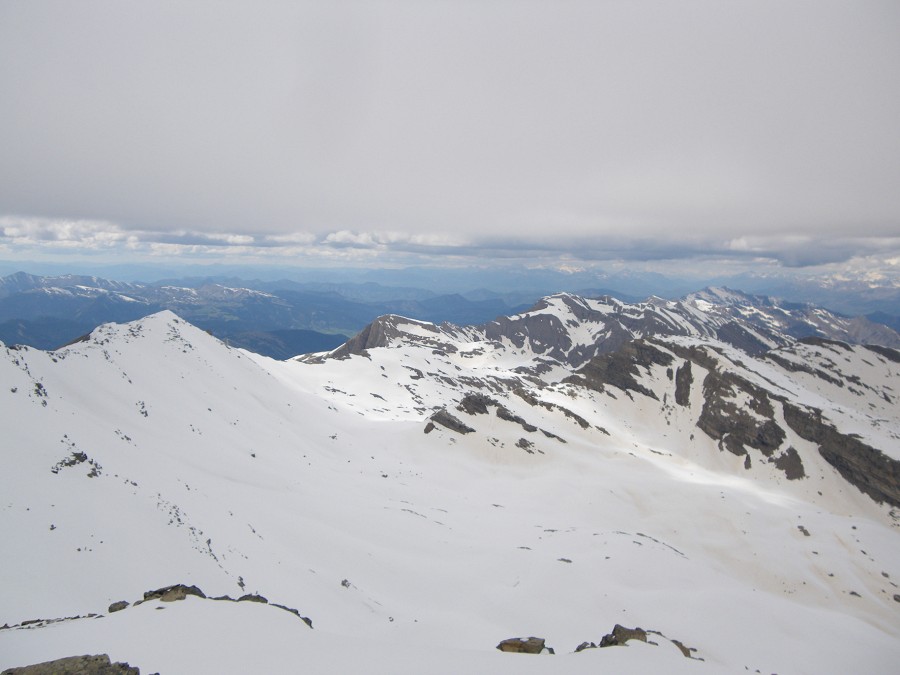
(733, 425)
(622, 368)
(869, 469)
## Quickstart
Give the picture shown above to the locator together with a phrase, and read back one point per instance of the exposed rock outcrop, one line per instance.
(620, 635)
(521, 645)
(620, 368)
(794, 367)
(732, 424)
(789, 461)
(869, 469)
(477, 404)
(76, 665)
(373, 335)
(886, 352)
(736, 335)
(173, 593)
(448, 421)
(504, 414)
(683, 381)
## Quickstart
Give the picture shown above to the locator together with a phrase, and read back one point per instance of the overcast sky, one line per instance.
(365, 131)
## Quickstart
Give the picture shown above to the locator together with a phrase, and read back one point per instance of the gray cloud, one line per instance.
(634, 131)
(63, 236)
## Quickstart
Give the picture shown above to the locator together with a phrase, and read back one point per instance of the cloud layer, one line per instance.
(635, 131)
(39, 237)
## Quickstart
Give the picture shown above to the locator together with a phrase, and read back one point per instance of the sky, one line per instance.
(563, 134)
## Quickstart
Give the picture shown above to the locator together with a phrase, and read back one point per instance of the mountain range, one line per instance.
(703, 485)
(284, 318)
(277, 319)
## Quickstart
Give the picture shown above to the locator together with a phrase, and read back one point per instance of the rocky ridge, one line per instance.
(572, 330)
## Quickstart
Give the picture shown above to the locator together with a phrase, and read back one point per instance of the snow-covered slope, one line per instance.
(441, 489)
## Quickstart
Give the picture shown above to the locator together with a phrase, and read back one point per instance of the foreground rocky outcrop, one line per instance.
(76, 665)
(173, 593)
(620, 635)
(181, 591)
(521, 645)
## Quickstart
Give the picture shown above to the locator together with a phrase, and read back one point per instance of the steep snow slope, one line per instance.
(152, 454)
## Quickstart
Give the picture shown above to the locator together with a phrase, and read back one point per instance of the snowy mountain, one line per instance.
(793, 319)
(21, 282)
(570, 329)
(424, 493)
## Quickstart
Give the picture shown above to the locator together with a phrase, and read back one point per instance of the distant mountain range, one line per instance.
(282, 319)
(278, 319)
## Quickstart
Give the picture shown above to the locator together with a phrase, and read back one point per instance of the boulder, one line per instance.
(521, 645)
(172, 593)
(620, 635)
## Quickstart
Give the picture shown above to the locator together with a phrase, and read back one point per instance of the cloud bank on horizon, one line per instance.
(359, 132)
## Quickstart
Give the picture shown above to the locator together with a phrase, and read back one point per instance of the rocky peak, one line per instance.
(390, 328)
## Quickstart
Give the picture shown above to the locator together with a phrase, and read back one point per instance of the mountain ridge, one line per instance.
(47, 312)
(570, 328)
